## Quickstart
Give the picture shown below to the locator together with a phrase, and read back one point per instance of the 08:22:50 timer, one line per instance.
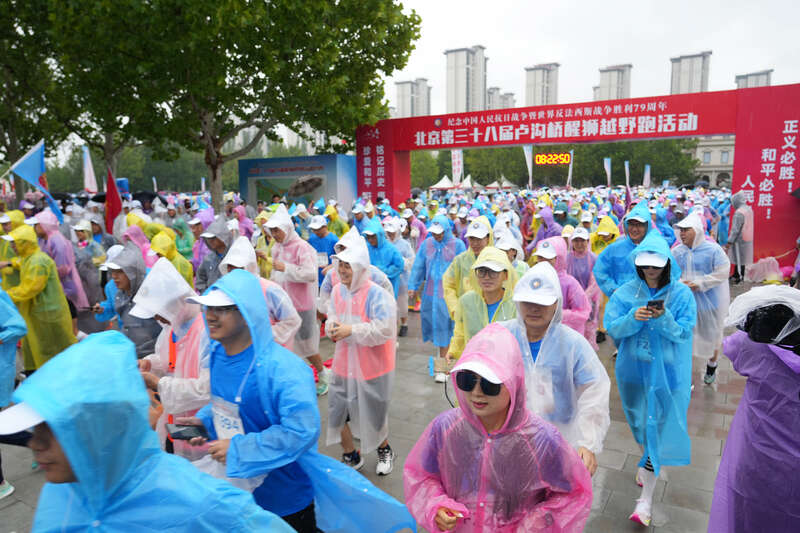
(553, 159)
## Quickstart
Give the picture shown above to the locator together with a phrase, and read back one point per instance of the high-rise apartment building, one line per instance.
(507, 100)
(413, 98)
(541, 84)
(615, 83)
(499, 100)
(466, 79)
(690, 73)
(754, 79)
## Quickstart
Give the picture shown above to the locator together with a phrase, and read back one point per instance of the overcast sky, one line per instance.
(585, 35)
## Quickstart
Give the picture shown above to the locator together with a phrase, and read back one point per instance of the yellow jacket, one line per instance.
(456, 279)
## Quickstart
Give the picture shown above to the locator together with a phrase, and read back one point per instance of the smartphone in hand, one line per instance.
(179, 432)
(656, 305)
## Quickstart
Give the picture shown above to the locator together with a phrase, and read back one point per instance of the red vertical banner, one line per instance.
(381, 172)
(765, 165)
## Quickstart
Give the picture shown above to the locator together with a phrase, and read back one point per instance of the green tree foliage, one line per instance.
(445, 163)
(489, 164)
(205, 71)
(424, 169)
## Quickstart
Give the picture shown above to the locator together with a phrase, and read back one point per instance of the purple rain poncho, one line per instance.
(757, 482)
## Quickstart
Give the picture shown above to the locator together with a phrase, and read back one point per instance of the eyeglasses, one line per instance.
(219, 309)
(466, 379)
(483, 272)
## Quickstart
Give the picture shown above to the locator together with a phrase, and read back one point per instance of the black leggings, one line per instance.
(738, 272)
(303, 521)
(15, 439)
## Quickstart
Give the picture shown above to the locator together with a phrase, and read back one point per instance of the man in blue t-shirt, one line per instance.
(323, 241)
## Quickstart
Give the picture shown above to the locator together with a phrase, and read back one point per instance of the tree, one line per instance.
(424, 169)
(444, 163)
(205, 71)
(488, 165)
(27, 89)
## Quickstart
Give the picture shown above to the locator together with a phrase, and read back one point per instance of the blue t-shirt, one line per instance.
(288, 489)
(535, 346)
(324, 245)
(492, 308)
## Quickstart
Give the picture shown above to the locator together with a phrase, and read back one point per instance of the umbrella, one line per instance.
(101, 198)
(149, 196)
(304, 185)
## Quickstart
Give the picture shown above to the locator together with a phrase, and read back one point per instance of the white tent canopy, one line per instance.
(505, 184)
(467, 183)
(493, 185)
(443, 183)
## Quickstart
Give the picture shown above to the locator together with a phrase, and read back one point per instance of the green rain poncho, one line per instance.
(184, 240)
(41, 301)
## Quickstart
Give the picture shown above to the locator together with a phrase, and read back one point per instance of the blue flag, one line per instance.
(32, 169)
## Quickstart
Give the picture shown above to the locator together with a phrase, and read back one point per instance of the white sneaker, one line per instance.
(385, 461)
(642, 512)
(440, 377)
(7, 489)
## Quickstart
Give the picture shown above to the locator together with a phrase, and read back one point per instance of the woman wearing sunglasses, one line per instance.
(490, 464)
(495, 278)
(651, 319)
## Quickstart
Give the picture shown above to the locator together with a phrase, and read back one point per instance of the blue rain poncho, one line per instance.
(12, 329)
(613, 266)
(654, 361)
(433, 259)
(706, 265)
(385, 256)
(566, 384)
(125, 482)
(663, 226)
(282, 387)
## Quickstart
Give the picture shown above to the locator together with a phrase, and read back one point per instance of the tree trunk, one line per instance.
(111, 153)
(216, 187)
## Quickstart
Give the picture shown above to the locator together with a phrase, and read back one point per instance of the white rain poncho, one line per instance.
(181, 350)
(282, 315)
(567, 384)
(761, 297)
(364, 362)
(377, 277)
(706, 265)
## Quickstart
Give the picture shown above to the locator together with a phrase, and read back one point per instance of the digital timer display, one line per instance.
(553, 159)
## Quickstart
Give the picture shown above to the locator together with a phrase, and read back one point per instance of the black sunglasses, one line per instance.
(466, 379)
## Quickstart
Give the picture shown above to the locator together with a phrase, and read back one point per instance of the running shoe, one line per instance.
(6, 489)
(353, 459)
(709, 379)
(641, 513)
(385, 461)
(440, 377)
(403, 331)
(324, 379)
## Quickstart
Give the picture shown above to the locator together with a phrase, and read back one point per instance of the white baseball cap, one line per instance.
(407, 213)
(31, 221)
(586, 216)
(650, 259)
(83, 225)
(317, 221)
(491, 265)
(545, 249)
(539, 285)
(480, 368)
(139, 311)
(214, 298)
(580, 233)
(4, 218)
(111, 254)
(18, 418)
(358, 209)
(478, 230)
(436, 228)
(463, 212)
(195, 221)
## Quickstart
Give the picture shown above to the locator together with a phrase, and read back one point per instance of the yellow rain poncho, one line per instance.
(164, 245)
(262, 245)
(336, 225)
(41, 302)
(7, 253)
(151, 229)
(471, 314)
(597, 242)
(456, 279)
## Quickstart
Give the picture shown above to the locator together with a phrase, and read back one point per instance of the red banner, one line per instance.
(765, 165)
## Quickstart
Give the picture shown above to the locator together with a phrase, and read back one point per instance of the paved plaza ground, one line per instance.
(682, 497)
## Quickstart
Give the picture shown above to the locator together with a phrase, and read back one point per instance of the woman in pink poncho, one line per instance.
(577, 307)
(580, 262)
(490, 465)
(246, 227)
(60, 249)
(135, 235)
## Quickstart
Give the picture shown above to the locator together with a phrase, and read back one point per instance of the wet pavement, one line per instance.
(682, 497)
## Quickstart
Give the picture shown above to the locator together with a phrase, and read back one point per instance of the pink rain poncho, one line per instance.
(524, 477)
(246, 227)
(200, 248)
(60, 249)
(363, 363)
(136, 235)
(575, 305)
(579, 266)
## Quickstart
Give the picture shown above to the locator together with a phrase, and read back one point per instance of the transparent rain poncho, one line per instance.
(364, 362)
(433, 259)
(136, 235)
(181, 349)
(142, 331)
(575, 308)
(654, 361)
(706, 265)
(60, 249)
(613, 266)
(567, 384)
(124, 481)
(524, 477)
(282, 315)
(472, 314)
